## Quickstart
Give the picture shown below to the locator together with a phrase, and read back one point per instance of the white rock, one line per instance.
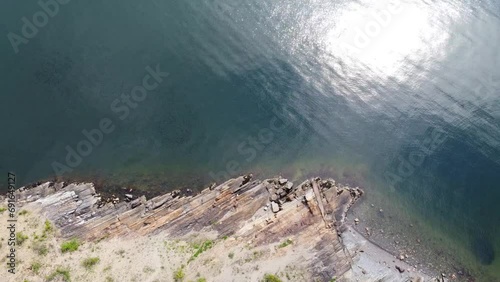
(275, 207)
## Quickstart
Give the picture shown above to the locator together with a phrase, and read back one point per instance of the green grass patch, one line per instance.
(70, 246)
(271, 278)
(208, 244)
(47, 227)
(35, 267)
(89, 263)
(23, 212)
(285, 243)
(21, 238)
(201, 280)
(60, 272)
(179, 275)
(2, 209)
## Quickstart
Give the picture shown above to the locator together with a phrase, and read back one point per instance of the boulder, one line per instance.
(275, 207)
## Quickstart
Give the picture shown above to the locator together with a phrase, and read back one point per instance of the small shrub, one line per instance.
(63, 272)
(148, 269)
(88, 263)
(201, 280)
(179, 275)
(201, 248)
(70, 246)
(286, 243)
(231, 255)
(109, 279)
(41, 249)
(23, 212)
(35, 267)
(20, 238)
(271, 278)
(2, 209)
(47, 228)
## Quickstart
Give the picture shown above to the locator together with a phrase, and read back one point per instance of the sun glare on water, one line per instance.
(382, 35)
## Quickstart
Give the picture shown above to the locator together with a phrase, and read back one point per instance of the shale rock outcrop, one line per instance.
(264, 212)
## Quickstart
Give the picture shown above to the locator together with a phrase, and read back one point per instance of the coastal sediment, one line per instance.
(297, 232)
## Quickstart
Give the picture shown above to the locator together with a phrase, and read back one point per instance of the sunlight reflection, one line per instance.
(383, 36)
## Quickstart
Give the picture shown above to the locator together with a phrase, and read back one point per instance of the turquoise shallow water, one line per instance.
(405, 94)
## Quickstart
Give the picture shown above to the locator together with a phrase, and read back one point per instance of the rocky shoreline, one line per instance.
(300, 227)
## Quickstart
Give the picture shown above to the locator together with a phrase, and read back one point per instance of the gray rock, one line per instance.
(282, 181)
(135, 203)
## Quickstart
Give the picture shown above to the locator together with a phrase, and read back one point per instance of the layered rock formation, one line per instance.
(261, 212)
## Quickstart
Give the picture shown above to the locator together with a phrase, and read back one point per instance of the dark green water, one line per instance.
(409, 107)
